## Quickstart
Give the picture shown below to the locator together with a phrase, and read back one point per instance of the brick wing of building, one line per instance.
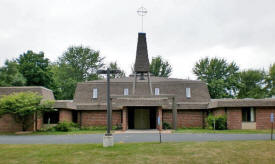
(140, 100)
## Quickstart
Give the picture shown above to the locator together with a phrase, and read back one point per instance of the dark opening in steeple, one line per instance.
(142, 61)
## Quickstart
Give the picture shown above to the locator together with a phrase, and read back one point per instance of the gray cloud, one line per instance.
(180, 31)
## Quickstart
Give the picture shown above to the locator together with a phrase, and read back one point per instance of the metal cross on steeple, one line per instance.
(142, 12)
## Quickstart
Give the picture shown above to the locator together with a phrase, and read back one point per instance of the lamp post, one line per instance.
(108, 138)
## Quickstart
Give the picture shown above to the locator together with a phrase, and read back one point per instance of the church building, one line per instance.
(143, 101)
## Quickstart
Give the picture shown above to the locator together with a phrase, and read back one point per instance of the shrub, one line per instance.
(66, 126)
(47, 129)
(117, 127)
(166, 125)
(220, 122)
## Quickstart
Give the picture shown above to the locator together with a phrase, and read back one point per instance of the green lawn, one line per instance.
(184, 152)
(222, 131)
(59, 133)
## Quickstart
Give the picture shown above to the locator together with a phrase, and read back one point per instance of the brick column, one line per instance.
(124, 119)
(159, 115)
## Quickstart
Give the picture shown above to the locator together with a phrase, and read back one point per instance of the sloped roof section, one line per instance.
(47, 94)
(142, 61)
(217, 103)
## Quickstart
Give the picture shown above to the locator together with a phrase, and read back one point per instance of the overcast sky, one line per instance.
(182, 31)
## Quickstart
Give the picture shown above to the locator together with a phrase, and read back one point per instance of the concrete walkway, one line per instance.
(126, 137)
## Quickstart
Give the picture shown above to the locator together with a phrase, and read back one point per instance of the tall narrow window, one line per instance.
(126, 92)
(95, 93)
(156, 91)
(188, 92)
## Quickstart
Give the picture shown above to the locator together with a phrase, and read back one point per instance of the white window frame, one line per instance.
(95, 93)
(188, 92)
(157, 91)
(125, 91)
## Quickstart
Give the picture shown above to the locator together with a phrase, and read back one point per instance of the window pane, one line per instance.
(95, 93)
(188, 92)
(252, 114)
(126, 92)
(156, 91)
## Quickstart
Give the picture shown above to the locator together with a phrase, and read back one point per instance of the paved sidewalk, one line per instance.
(130, 137)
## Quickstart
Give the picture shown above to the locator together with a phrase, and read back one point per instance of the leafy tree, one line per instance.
(253, 84)
(23, 106)
(77, 64)
(10, 75)
(221, 77)
(160, 67)
(64, 83)
(35, 68)
(270, 79)
(84, 61)
(113, 65)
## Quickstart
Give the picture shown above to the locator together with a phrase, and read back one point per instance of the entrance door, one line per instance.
(142, 119)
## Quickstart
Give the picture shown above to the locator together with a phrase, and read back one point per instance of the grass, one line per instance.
(76, 132)
(266, 131)
(184, 152)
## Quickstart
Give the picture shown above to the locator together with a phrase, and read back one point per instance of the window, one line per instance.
(248, 114)
(156, 91)
(94, 93)
(126, 92)
(188, 92)
(51, 117)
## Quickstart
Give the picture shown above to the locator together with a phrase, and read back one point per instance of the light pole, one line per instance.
(108, 138)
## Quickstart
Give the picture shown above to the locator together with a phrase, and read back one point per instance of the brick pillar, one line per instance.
(159, 115)
(124, 119)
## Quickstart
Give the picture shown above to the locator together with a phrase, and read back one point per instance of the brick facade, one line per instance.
(65, 115)
(8, 124)
(234, 118)
(219, 112)
(263, 117)
(99, 118)
(185, 118)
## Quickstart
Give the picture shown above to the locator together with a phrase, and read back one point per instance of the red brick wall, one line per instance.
(219, 111)
(189, 118)
(263, 117)
(185, 118)
(99, 118)
(234, 118)
(39, 121)
(167, 116)
(8, 124)
(65, 115)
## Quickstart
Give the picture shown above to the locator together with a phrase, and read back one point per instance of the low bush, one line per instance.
(100, 127)
(220, 122)
(47, 129)
(66, 126)
(166, 125)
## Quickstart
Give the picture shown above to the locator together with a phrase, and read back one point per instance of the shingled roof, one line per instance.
(142, 61)
(217, 103)
(46, 93)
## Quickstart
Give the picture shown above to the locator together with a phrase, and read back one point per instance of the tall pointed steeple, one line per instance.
(142, 61)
